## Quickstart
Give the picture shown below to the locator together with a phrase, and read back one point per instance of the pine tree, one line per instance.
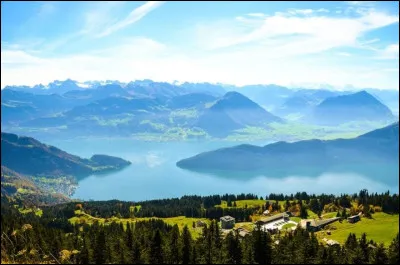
(173, 246)
(100, 250)
(136, 258)
(394, 251)
(186, 245)
(364, 247)
(232, 250)
(379, 255)
(303, 212)
(84, 254)
(156, 252)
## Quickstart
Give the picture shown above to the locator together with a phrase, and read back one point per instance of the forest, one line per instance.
(51, 238)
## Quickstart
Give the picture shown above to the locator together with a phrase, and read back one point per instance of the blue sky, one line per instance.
(311, 44)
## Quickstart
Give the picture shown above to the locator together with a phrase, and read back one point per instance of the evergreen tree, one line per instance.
(156, 251)
(186, 245)
(232, 249)
(379, 255)
(364, 247)
(303, 212)
(173, 246)
(394, 251)
(84, 257)
(100, 250)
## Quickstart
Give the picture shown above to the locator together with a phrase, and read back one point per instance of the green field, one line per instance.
(286, 226)
(249, 226)
(329, 215)
(181, 221)
(243, 203)
(381, 228)
(311, 214)
(295, 219)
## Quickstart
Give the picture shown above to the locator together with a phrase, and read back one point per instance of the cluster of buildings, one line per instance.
(270, 223)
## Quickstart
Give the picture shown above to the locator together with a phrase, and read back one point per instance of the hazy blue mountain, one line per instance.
(378, 149)
(231, 112)
(303, 101)
(268, 96)
(55, 87)
(17, 106)
(154, 89)
(299, 104)
(114, 105)
(28, 156)
(100, 92)
(388, 97)
(190, 100)
(15, 113)
(110, 116)
(360, 106)
(211, 89)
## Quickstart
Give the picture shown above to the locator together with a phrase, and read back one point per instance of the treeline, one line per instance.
(205, 206)
(189, 206)
(30, 239)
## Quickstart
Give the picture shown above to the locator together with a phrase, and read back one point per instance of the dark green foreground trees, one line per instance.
(27, 238)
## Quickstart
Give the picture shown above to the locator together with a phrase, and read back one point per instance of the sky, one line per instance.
(343, 44)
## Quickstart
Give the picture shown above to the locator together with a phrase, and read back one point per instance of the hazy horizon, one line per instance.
(296, 44)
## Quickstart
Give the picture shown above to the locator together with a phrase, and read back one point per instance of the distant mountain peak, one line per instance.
(351, 107)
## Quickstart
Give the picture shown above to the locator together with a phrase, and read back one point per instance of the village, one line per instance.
(282, 222)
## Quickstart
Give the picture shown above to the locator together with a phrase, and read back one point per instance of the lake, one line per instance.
(154, 175)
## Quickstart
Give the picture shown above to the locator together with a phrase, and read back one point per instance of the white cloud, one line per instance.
(18, 57)
(256, 14)
(99, 16)
(307, 11)
(142, 58)
(321, 32)
(361, 3)
(390, 52)
(346, 54)
(281, 49)
(323, 10)
(47, 8)
(133, 17)
(391, 70)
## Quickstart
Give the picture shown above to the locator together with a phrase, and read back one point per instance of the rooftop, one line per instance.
(354, 216)
(227, 218)
(273, 218)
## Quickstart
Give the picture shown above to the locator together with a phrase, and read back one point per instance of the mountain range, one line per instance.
(376, 149)
(360, 106)
(198, 110)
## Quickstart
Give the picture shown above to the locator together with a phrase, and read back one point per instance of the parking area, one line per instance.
(278, 224)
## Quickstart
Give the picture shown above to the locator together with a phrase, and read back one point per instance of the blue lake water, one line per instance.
(154, 175)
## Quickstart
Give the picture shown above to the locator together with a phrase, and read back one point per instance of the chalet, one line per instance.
(200, 223)
(353, 219)
(272, 231)
(276, 217)
(316, 225)
(331, 242)
(227, 222)
(242, 232)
